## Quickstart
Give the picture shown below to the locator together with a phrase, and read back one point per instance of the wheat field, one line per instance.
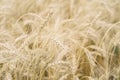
(59, 39)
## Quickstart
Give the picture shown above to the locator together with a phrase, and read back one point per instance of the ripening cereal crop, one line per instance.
(59, 39)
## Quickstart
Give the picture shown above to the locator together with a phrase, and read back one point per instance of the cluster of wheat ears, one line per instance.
(59, 39)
